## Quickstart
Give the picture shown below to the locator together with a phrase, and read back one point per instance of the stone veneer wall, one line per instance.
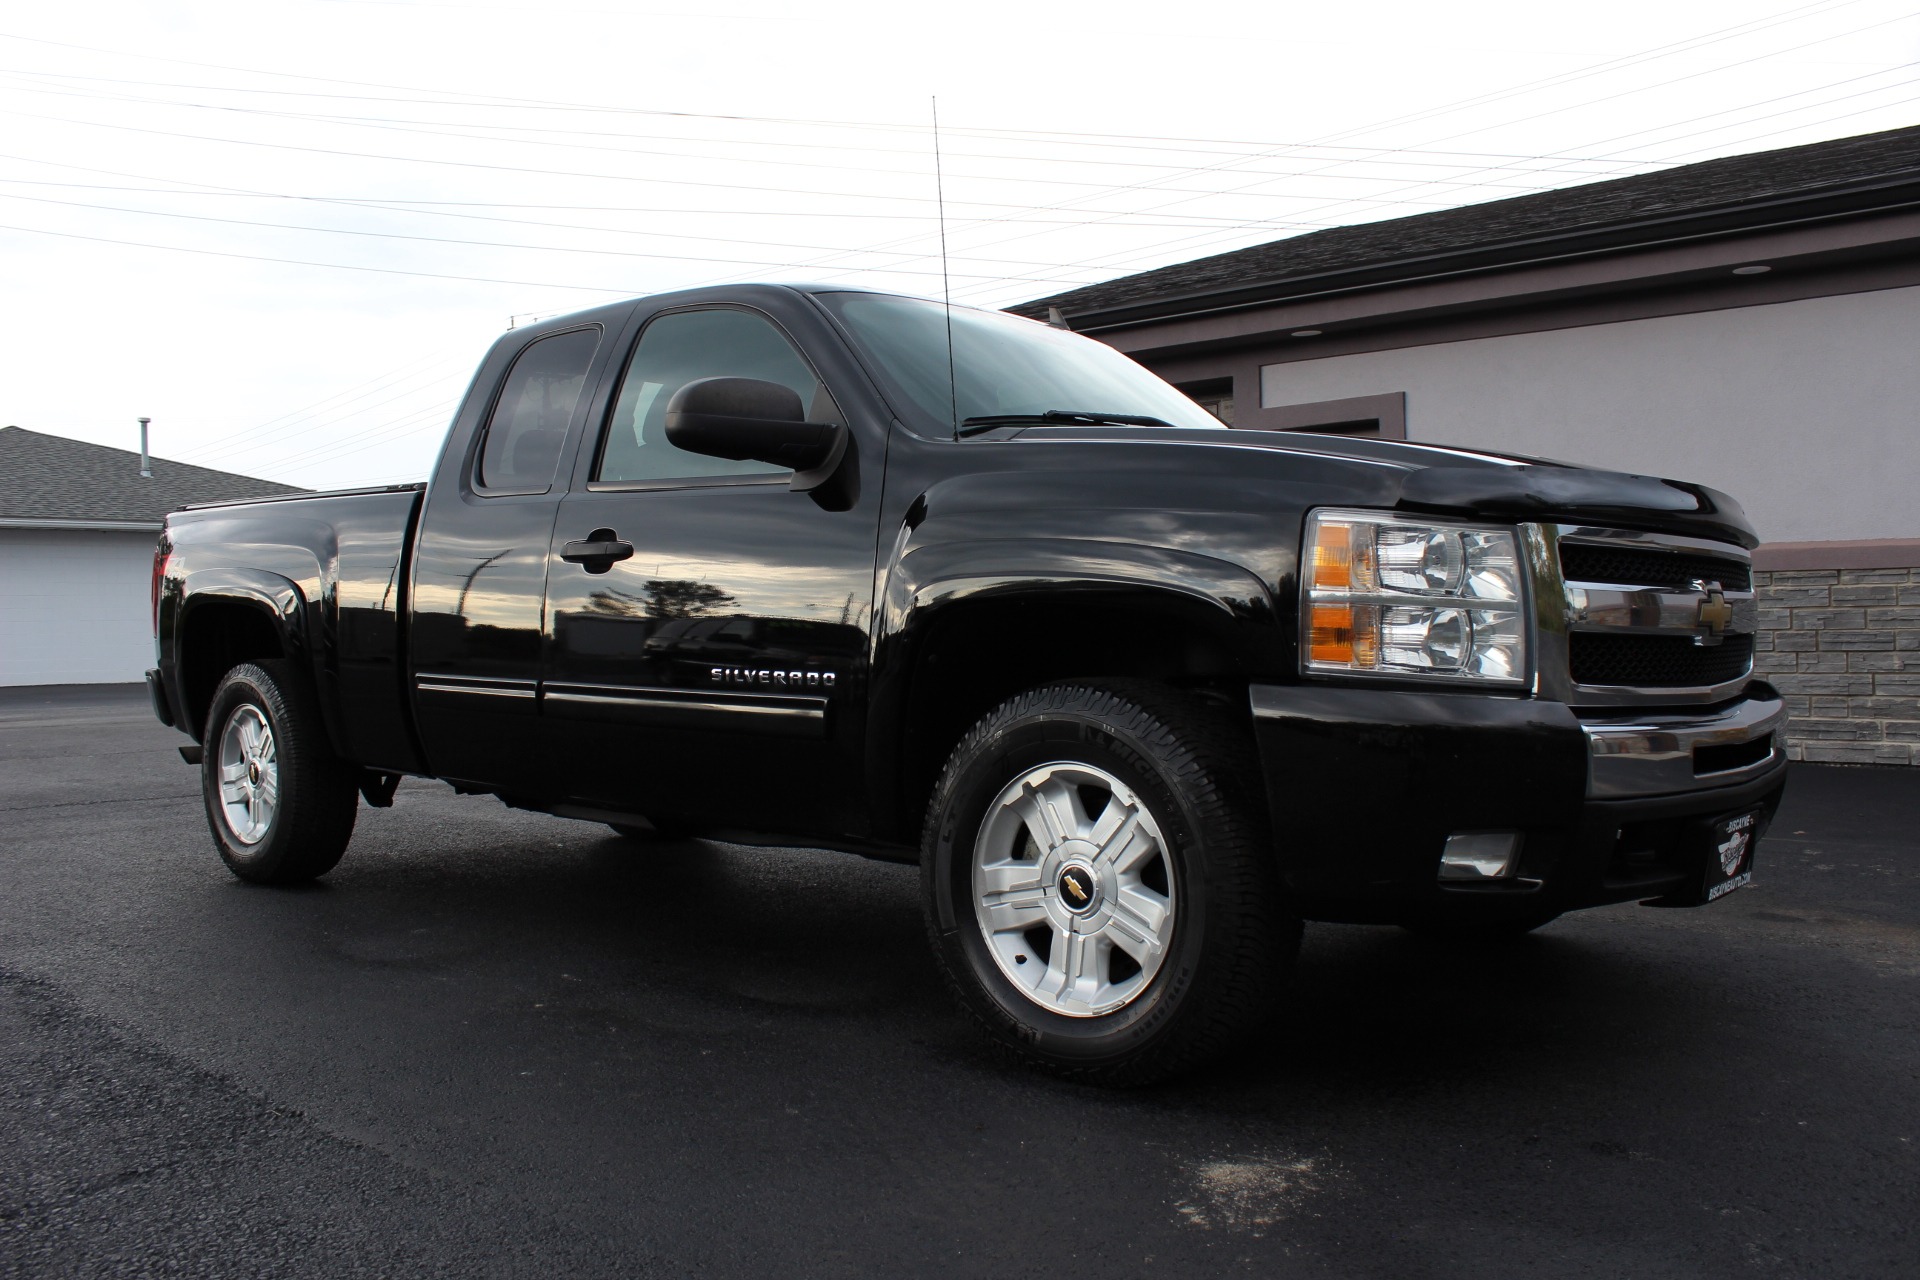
(1843, 648)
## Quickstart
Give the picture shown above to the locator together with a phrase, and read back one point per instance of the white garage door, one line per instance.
(74, 606)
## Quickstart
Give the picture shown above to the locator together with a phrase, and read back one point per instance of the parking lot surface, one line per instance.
(494, 1043)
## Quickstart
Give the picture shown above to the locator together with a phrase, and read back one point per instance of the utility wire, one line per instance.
(1053, 180)
(610, 292)
(1318, 208)
(1155, 253)
(274, 433)
(484, 244)
(39, 81)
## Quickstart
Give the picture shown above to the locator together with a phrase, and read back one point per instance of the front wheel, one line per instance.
(280, 804)
(1099, 890)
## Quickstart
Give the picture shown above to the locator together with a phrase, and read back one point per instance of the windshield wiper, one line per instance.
(1086, 417)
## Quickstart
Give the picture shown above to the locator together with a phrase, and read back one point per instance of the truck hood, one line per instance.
(1470, 482)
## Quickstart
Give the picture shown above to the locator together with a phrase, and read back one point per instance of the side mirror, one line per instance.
(746, 418)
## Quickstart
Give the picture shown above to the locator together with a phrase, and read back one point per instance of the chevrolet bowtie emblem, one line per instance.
(1716, 615)
(1073, 888)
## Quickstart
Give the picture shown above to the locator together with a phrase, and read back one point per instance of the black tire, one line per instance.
(1478, 933)
(1232, 941)
(317, 793)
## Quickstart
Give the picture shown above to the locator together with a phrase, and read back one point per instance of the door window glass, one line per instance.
(529, 422)
(683, 347)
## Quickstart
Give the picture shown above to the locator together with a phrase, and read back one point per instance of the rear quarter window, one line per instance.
(528, 425)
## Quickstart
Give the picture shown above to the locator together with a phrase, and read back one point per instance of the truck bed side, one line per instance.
(319, 579)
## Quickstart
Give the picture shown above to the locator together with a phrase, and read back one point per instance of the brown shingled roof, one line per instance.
(44, 477)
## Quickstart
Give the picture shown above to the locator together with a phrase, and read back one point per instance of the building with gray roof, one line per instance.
(77, 529)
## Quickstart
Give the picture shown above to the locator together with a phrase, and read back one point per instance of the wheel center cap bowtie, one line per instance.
(253, 774)
(1078, 889)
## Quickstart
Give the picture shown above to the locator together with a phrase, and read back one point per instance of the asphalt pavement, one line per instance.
(498, 1044)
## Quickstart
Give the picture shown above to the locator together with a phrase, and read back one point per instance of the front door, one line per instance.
(717, 670)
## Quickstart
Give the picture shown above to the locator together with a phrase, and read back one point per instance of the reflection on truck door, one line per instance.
(718, 668)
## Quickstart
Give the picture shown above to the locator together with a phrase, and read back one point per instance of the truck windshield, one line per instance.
(1005, 367)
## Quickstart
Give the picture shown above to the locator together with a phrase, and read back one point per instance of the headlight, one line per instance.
(1404, 598)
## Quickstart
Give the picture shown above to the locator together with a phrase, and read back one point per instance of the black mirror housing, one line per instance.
(748, 419)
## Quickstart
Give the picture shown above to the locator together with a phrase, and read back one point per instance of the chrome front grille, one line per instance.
(1655, 662)
(1641, 618)
(1646, 567)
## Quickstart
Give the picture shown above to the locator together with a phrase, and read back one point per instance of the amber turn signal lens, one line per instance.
(1333, 556)
(1331, 633)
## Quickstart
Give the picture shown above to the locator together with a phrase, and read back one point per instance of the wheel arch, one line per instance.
(959, 638)
(230, 616)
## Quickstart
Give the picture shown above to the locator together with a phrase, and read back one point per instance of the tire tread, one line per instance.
(1252, 939)
(319, 791)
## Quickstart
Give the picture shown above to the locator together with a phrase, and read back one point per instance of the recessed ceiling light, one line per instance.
(1304, 333)
(1755, 269)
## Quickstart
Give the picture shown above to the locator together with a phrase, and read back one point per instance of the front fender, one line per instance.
(927, 578)
(1184, 593)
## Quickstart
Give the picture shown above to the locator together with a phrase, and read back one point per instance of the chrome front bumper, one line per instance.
(1672, 753)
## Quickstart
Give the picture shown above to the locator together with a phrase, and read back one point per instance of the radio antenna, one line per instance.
(946, 285)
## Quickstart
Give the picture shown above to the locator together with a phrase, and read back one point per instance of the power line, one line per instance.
(41, 79)
(1613, 64)
(1099, 187)
(1312, 209)
(485, 244)
(410, 423)
(1663, 162)
(404, 205)
(337, 266)
(1810, 124)
(1201, 243)
(459, 98)
(273, 433)
(1158, 185)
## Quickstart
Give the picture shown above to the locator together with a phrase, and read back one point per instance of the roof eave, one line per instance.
(93, 526)
(1891, 195)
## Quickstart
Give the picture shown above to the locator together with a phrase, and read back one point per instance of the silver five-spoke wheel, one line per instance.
(249, 775)
(1073, 890)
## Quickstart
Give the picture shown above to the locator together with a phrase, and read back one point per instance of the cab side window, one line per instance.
(529, 422)
(682, 347)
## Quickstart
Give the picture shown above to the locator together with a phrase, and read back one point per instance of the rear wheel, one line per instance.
(280, 804)
(1099, 890)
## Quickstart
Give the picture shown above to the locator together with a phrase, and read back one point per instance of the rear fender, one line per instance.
(277, 599)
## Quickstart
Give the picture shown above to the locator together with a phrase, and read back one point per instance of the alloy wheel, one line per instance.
(1074, 889)
(249, 775)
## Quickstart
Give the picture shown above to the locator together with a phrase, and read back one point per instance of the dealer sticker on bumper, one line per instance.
(1730, 862)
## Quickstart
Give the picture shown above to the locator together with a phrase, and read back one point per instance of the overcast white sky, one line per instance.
(286, 230)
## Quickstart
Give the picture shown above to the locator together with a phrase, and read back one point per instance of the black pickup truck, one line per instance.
(830, 568)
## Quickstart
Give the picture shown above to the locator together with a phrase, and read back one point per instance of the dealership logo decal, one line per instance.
(1734, 851)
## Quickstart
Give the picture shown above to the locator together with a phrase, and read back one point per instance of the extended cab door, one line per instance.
(717, 672)
(480, 560)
